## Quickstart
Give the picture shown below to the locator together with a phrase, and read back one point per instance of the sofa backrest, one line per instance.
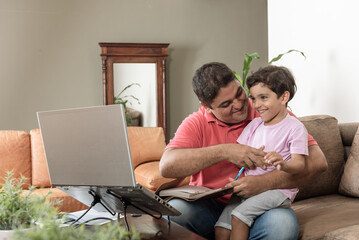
(40, 172)
(146, 143)
(325, 131)
(15, 154)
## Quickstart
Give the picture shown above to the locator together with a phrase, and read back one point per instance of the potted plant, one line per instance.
(19, 209)
(24, 215)
(55, 231)
(120, 99)
(247, 63)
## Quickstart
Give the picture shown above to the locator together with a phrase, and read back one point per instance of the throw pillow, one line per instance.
(325, 131)
(349, 184)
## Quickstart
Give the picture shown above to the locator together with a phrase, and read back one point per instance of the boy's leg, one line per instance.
(266, 226)
(277, 223)
(240, 230)
(222, 233)
(255, 206)
(198, 216)
(223, 226)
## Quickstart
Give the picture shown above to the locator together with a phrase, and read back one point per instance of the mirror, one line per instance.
(142, 63)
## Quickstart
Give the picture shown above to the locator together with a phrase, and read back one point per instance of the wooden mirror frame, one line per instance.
(135, 53)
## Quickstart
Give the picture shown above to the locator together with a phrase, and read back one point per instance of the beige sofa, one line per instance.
(328, 207)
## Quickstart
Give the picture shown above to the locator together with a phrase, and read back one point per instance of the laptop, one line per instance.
(88, 156)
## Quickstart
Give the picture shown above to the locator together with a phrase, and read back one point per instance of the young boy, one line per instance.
(283, 137)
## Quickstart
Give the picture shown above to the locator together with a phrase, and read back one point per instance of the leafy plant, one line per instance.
(119, 99)
(54, 230)
(247, 63)
(40, 217)
(19, 210)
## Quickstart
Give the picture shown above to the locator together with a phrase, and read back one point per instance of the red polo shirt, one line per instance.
(201, 129)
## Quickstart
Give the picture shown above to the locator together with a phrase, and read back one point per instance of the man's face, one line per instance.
(230, 105)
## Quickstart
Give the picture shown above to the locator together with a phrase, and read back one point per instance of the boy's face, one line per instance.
(230, 105)
(271, 108)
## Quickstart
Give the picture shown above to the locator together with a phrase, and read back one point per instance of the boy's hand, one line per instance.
(275, 159)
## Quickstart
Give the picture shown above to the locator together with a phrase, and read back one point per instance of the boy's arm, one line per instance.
(315, 164)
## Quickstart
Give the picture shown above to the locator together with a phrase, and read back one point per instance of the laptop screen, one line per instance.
(87, 146)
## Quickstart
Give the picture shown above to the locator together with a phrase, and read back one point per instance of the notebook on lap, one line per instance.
(88, 154)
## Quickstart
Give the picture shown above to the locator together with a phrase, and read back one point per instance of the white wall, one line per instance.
(327, 32)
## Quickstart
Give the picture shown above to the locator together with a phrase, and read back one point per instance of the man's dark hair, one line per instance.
(278, 79)
(209, 78)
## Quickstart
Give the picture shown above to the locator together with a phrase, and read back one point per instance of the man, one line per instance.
(205, 148)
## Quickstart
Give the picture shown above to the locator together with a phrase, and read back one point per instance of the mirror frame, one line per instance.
(136, 53)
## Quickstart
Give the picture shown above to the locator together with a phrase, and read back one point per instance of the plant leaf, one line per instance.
(248, 63)
(127, 87)
(238, 77)
(281, 55)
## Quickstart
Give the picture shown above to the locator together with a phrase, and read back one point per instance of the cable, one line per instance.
(96, 199)
(124, 206)
(169, 221)
(94, 219)
(83, 213)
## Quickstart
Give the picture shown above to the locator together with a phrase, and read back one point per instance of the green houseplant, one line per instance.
(247, 63)
(52, 229)
(124, 99)
(19, 209)
(24, 215)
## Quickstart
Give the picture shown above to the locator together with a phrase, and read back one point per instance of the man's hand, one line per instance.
(194, 160)
(247, 186)
(245, 156)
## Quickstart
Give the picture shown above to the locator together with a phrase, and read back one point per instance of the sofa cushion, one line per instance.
(15, 154)
(146, 143)
(350, 232)
(325, 131)
(349, 184)
(347, 132)
(67, 203)
(40, 172)
(148, 175)
(320, 215)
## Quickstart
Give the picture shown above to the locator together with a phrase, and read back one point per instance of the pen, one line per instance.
(239, 173)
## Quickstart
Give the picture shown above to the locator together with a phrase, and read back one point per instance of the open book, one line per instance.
(193, 193)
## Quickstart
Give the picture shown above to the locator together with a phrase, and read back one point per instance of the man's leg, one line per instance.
(198, 216)
(278, 223)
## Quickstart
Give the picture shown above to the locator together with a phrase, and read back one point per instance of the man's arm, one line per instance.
(249, 186)
(183, 162)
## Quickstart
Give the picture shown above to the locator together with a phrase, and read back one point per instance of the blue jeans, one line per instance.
(200, 217)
